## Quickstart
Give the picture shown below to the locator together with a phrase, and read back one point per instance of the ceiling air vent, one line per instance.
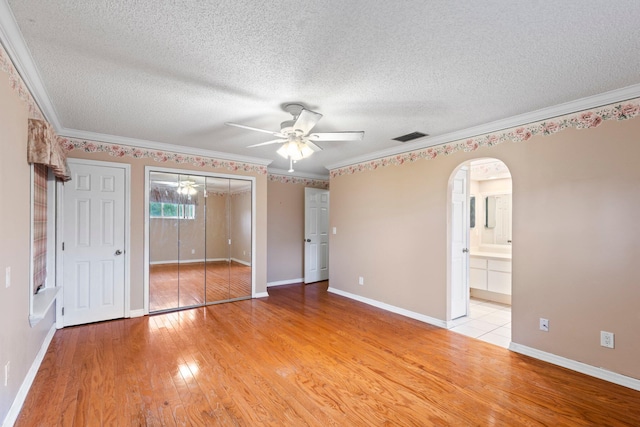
(410, 136)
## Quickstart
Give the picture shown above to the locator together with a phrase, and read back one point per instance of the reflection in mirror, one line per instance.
(217, 232)
(491, 188)
(240, 235)
(191, 223)
(199, 240)
(498, 220)
(490, 211)
(228, 239)
(163, 241)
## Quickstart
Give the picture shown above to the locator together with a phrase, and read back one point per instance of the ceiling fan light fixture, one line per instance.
(187, 190)
(295, 150)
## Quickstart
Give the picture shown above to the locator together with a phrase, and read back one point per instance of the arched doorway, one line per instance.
(480, 231)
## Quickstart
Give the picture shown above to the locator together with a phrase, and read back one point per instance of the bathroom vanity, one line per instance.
(490, 276)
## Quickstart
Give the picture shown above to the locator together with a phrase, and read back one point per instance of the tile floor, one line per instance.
(487, 321)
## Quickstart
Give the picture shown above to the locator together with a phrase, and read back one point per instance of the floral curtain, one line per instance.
(43, 148)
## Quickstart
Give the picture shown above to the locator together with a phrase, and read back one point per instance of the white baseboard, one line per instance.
(413, 315)
(239, 261)
(14, 411)
(583, 368)
(187, 261)
(261, 295)
(284, 282)
(136, 313)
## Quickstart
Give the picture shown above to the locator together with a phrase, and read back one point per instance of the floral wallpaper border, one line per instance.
(488, 169)
(116, 150)
(18, 85)
(582, 120)
(307, 182)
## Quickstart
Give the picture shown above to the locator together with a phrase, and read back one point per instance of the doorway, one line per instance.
(316, 231)
(95, 242)
(199, 239)
(484, 279)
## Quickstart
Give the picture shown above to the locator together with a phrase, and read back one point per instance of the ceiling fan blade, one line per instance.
(313, 146)
(169, 183)
(252, 128)
(275, 141)
(306, 121)
(337, 136)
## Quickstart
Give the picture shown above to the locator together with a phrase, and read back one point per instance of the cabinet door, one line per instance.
(500, 282)
(478, 278)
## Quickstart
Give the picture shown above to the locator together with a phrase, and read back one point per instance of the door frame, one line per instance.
(127, 234)
(147, 173)
(450, 241)
(306, 256)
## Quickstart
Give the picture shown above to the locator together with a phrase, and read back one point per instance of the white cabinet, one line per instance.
(478, 273)
(490, 274)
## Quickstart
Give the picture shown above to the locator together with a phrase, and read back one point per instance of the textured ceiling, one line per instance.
(174, 71)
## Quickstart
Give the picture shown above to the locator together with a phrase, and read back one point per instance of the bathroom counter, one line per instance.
(494, 255)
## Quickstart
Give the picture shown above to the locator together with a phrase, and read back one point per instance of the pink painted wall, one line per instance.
(575, 239)
(19, 342)
(285, 248)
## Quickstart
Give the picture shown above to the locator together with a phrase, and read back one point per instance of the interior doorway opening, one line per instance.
(481, 250)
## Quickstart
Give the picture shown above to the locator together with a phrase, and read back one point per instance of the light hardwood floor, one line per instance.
(301, 357)
(182, 285)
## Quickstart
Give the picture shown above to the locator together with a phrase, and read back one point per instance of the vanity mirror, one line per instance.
(497, 224)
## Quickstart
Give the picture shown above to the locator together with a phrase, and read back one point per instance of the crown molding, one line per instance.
(586, 103)
(296, 174)
(14, 44)
(160, 146)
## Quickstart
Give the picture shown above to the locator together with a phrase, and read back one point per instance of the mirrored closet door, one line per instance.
(199, 240)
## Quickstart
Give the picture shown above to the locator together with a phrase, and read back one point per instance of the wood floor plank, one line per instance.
(303, 356)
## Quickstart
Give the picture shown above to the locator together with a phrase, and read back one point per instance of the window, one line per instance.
(171, 210)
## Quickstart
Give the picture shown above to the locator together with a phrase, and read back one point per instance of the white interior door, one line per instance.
(459, 245)
(316, 231)
(94, 244)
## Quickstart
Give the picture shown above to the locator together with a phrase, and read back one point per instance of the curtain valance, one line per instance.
(43, 148)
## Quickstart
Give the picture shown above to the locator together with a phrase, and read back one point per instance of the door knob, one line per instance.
(308, 240)
(118, 252)
(465, 250)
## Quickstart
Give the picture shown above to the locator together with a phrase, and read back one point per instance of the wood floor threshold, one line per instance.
(303, 356)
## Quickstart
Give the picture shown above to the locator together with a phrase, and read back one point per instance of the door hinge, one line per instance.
(63, 246)
(63, 311)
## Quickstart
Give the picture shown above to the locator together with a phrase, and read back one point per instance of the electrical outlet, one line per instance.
(6, 374)
(544, 324)
(360, 280)
(193, 251)
(335, 230)
(606, 339)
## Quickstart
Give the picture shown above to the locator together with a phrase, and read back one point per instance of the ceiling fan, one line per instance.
(295, 137)
(186, 187)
